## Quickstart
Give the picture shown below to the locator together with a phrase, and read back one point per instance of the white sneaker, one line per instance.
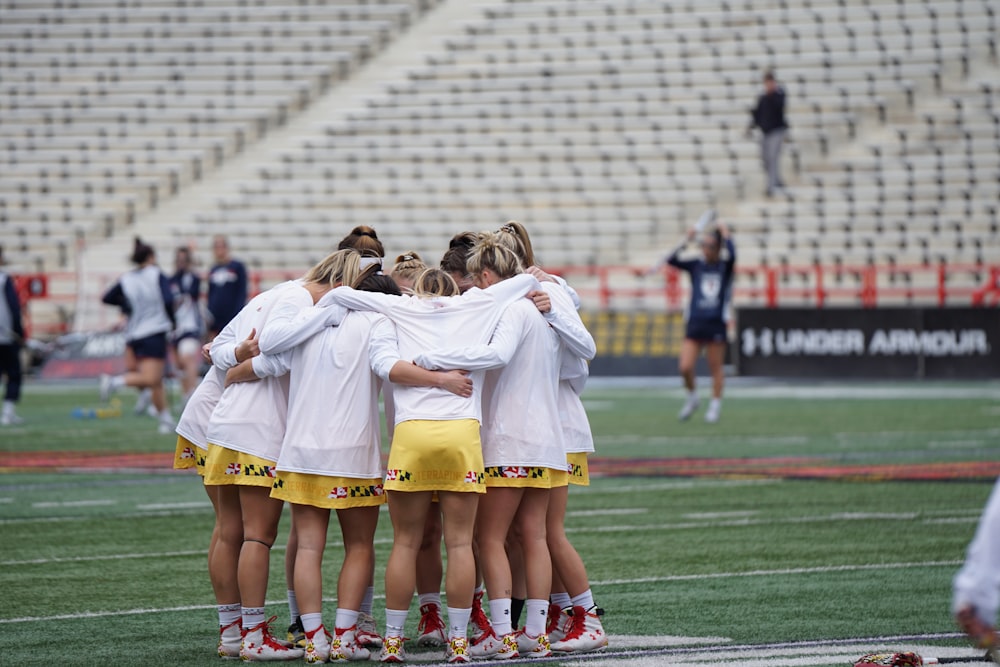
(107, 389)
(533, 647)
(259, 646)
(392, 650)
(457, 651)
(558, 624)
(166, 426)
(491, 646)
(144, 402)
(346, 646)
(712, 414)
(431, 626)
(585, 634)
(317, 646)
(367, 634)
(690, 405)
(230, 639)
(11, 419)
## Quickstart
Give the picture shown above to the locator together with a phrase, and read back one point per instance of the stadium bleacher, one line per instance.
(606, 127)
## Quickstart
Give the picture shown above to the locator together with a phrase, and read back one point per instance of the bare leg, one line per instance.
(261, 514)
(688, 358)
(459, 511)
(357, 527)
(227, 538)
(716, 354)
(307, 577)
(407, 510)
(429, 566)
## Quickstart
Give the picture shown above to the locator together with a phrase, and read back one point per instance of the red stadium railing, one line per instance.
(622, 288)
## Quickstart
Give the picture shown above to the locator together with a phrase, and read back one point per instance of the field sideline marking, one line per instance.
(609, 582)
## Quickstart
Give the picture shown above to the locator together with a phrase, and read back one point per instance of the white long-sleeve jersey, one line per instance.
(432, 323)
(250, 416)
(521, 425)
(333, 424)
(978, 582)
(193, 424)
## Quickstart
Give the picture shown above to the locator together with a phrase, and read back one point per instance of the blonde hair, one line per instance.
(407, 266)
(514, 230)
(493, 254)
(341, 266)
(435, 282)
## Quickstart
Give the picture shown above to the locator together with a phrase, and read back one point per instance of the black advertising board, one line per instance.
(875, 343)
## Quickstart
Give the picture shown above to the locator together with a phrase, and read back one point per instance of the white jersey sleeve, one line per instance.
(495, 354)
(271, 365)
(978, 582)
(223, 350)
(289, 325)
(567, 323)
(383, 348)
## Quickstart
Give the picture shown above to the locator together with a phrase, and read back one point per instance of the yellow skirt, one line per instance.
(526, 477)
(227, 466)
(189, 455)
(436, 455)
(580, 472)
(332, 493)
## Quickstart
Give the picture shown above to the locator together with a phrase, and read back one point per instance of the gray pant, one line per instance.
(770, 155)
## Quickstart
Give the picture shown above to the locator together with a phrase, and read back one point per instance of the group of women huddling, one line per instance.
(480, 363)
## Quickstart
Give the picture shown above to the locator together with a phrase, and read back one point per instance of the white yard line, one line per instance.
(196, 504)
(609, 512)
(99, 502)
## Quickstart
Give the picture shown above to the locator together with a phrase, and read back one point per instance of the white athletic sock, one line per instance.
(562, 599)
(252, 617)
(458, 622)
(429, 598)
(8, 408)
(346, 618)
(311, 622)
(117, 381)
(293, 606)
(584, 599)
(715, 404)
(228, 613)
(366, 601)
(500, 616)
(537, 618)
(395, 619)
(692, 395)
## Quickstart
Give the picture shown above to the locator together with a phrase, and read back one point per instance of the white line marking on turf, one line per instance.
(824, 569)
(175, 506)
(100, 502)
(673, 485)
(718, 515)
(4, 501)
(954, 519)
(609, 512)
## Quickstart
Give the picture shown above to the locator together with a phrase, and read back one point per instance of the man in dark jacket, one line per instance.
(11, 338)
(769, 117)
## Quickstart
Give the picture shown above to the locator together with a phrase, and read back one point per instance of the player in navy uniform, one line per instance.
(707, 313)
(227, 287)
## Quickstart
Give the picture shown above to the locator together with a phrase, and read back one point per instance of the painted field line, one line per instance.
(719, 515)
(196, 504)
(609, 512)
(822, 569)
(96, 517)
(672, 485)
(4, 501)
(100, 502)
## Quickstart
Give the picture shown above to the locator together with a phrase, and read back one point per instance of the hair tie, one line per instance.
(365, 262)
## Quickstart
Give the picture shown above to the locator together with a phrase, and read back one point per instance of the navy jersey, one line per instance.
(227, 292)
(711, 285)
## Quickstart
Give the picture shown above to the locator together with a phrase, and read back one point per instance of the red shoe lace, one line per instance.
(577, 623)
(268, 640)
(555, 612)
(479, 617)
(430, 620)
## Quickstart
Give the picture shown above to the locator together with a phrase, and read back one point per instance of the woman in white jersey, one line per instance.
(223, 553)
(574, 620)
(522, 449)
(144, 296)
(436, 444)
(245, 436)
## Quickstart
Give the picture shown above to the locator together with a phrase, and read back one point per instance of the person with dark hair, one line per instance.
(227, 286)
(707, 314)
(186, 337)
(769, 118)
(145, 297)
(11, 339)
(456, 256)
(364, 240)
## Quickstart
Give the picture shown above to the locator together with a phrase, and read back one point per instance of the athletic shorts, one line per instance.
(436, 455)
(189, 455)
(150, 347)
(519, 477)
(228, 466)
(706, 331)
(328, 492)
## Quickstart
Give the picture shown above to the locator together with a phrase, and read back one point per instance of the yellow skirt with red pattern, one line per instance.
(520, 477)
(189, 455)
(436, 455)
(228, 466)
(328, 492)
(576, 471)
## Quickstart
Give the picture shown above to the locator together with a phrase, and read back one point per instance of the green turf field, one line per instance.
(104, 566)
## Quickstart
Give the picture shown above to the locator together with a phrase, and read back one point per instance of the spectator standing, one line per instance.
(769, 118)
(11, 338)
(227, 287)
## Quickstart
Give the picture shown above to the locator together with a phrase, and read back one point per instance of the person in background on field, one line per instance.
(769, 118)
(11, 338)
(186, 337)
(707, 314)
(227, 287)
(976, 588)
(144, 296)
